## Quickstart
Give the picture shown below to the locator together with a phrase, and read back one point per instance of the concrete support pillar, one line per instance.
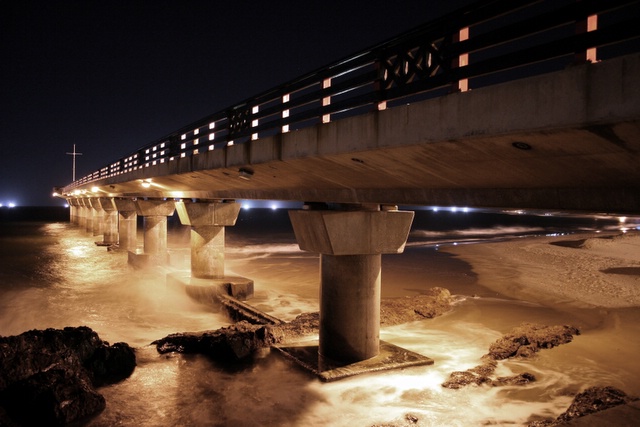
(207, 277)
(350, 307)
(88, 223)
(71, 210)
(98, 217)
(82, 213)
(74, 210)
(155, 213)
(207, 221)
(350, 240)
(207, 252)
(127, 224)
(155, 234)
(110, 221)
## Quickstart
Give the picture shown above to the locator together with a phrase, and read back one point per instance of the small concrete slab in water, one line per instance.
(204, 290)
(390, 357)
(139, 259)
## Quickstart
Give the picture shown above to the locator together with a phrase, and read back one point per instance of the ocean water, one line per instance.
(53, 275)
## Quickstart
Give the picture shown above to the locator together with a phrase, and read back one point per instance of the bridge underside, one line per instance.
(568, 140)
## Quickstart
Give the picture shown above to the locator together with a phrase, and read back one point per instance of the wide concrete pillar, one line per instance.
(207, 278)
(208, 221)
(155, 234)
(74, 210)
(350, 241)
(127, 224)
(98, 217)
(155, 214)
(89, 213)
(110, 221)
(82, 213)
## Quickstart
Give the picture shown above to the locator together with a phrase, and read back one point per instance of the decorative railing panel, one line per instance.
(486, 43)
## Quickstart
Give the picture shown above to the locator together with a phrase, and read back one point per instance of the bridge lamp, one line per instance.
(146, 183)
(95, 189)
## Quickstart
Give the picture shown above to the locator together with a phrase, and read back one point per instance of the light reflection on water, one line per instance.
(79, 283)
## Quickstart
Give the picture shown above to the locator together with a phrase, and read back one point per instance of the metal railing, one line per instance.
(486, 43)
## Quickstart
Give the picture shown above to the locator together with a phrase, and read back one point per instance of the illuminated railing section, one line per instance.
(486, 43)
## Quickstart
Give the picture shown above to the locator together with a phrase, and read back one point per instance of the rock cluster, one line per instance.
(48, 377)
(592, 400)
(230, 344)
(243, 338)
(524, 341)
(433, 302)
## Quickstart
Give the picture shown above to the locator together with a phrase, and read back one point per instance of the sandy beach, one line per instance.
(583, 271)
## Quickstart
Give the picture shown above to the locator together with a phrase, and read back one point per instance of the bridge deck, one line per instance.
(569, 139)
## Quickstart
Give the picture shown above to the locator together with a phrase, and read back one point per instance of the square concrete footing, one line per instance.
(139, 259)
(205, 290)
(390, 357)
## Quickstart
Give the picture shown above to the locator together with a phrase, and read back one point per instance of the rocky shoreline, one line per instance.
(50, 377)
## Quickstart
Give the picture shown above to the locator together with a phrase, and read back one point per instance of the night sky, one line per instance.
(112, 76)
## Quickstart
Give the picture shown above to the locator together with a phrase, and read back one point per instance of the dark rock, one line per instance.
(520, 379)
(592, 400)
(434, 302)
(53, 372)
(528, 339)
(54, 397)
(303, 325)
(524, 341)
(459, 379)
(229, 344)
(108, 365)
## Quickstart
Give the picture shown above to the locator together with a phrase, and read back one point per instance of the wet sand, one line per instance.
(582, 271)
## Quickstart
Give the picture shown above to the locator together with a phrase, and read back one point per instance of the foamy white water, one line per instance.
(58, 277)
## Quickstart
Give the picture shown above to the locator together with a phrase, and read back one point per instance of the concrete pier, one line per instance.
(74, 210)
(81, 214)
(88, 219)
(127, 224)
(98, 216)
(350, 241)
(207, 278)
(110, 221)
(155, 213)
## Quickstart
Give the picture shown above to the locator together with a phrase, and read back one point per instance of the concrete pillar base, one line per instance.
(139, 259)
(107, 244)
(350, 241)
(389, 357)
(206, 290)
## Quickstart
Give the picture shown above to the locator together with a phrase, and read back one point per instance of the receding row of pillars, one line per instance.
(349, 238)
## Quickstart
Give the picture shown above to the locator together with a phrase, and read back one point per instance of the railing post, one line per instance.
(586, 25)
(462, 60)
(326, 83)
(380, 85)
(285, 113)
(254, 123)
